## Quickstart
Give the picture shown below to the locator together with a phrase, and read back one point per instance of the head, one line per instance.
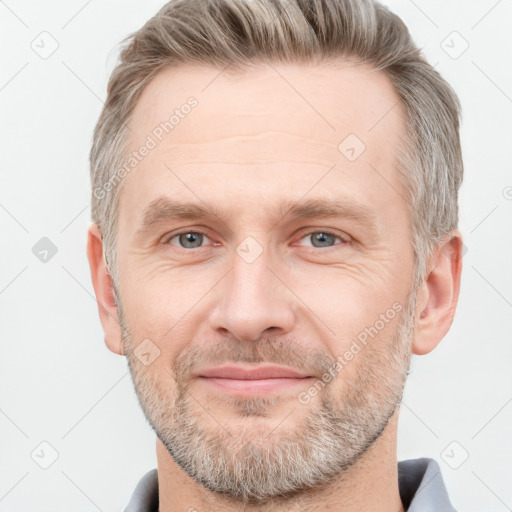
(274, 183)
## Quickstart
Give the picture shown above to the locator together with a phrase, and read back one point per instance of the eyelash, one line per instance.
(324, 231)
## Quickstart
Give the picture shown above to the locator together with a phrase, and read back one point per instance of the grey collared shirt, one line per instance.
(419, 480)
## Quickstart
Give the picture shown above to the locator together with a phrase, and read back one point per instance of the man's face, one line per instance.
(263, 283)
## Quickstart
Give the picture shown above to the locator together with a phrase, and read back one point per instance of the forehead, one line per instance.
(323, 99)
(275, 129)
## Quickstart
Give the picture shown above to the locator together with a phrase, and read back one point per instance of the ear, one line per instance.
(104, 290)
(438, 295)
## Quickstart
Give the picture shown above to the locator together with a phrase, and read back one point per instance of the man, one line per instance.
(275, 233)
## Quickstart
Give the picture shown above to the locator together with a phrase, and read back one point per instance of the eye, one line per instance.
(195, 239)
(323, 238)
(188, 239)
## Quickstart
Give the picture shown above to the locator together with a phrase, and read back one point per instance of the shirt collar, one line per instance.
(420, 484)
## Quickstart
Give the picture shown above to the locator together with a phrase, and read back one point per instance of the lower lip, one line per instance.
(255, 385)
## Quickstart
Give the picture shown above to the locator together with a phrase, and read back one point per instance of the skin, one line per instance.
(269, 134)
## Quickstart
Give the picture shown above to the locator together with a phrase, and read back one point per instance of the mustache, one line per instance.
(278, 351)
(273, 351)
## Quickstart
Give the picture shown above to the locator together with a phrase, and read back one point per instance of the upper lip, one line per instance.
(244, 373)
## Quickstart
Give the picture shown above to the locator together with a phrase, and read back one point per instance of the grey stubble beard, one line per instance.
(254, 466)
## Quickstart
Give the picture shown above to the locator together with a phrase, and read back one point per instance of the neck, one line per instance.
(370, 484)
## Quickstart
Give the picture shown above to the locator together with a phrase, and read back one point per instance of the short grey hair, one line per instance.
(238, 34)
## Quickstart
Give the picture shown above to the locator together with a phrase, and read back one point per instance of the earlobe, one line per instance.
(439, 294)
(104, 290)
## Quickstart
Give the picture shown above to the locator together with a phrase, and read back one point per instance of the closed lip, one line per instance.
(246, 373)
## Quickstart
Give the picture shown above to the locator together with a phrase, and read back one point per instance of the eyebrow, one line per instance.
(164, 209)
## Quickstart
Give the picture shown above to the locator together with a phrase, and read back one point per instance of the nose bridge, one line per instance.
(253, 298)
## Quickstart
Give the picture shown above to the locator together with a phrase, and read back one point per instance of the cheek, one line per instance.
(347, 298)
(156, 295)
(162, 307)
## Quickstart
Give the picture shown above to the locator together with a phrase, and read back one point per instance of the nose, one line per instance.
(253, 299)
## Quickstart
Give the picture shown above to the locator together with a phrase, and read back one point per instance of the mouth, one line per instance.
(245, 380)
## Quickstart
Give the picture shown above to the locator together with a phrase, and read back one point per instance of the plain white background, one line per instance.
(60, 385)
